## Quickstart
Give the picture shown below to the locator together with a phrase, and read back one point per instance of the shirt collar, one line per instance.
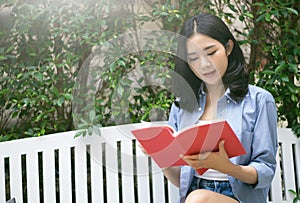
(227, 93)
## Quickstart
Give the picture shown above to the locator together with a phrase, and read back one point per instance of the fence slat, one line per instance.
(2, 177)
(173, 192)
(142, 176)
(65, 183)
(276, 192)
(157, 186)
(127, 171)
(32, 177)
(111, 169)
(32, 148)
(297, 162)
(80, 173)
(96, 172)
(15, 172)
(288, 169)
(49, 189)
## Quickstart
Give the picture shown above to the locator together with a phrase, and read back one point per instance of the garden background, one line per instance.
(44, 45)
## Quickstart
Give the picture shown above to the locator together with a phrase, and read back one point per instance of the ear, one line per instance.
(229, 47)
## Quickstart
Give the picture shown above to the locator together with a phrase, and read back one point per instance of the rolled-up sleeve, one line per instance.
(264, 143)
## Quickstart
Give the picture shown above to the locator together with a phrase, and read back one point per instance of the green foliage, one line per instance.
(45, 45)
(172, 14)
(45, 48)
(271, 30)
(40, 57)
(296, 194)
(281, 74)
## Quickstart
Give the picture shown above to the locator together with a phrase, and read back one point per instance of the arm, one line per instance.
(260, 169)
(219, 161)
(246, 174)
(173, 175)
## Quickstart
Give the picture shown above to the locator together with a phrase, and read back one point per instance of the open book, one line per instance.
(165, 146)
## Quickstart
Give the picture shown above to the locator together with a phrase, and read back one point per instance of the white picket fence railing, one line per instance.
(108, 168)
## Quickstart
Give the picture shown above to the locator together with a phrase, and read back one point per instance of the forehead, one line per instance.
(201, 41)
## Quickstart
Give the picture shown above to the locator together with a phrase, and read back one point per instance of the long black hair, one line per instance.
(235, 77)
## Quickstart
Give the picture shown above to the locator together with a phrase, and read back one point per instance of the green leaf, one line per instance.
(15, 114)
(19, 75)
(2, 58)
(293, 68)
(96, 130)
(80, 133)
(250, 15)
(92, 115)
(260, 18)
(268, 72)
(268, 17)
(280, 67)
(163, 13)
(40, 76)
(291, 10)
(121, 63)
(285, 78)
(294, 98)
(60, 101)
(55, 91)
(291, 88)
(120, 90)
(258, 4)
(10, 49)
(4, 91)
(67, 96)
(90, 130)
(232, 7)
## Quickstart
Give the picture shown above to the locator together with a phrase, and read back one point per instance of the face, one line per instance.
(207, 58)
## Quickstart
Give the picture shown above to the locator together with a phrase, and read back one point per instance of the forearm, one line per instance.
(246, 174)
(173, 175)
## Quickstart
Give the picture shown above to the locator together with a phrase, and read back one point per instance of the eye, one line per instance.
(211, 53)
(193, 59)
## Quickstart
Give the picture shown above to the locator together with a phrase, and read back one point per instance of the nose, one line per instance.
(205, 62)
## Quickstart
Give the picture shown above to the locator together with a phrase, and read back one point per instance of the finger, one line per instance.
(196, 164)
(193, 163)
(192, 157)
(221, 146)
(206, 154)
(202, 156)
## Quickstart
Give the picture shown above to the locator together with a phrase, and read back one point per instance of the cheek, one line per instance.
(193, 67)
(220, 62)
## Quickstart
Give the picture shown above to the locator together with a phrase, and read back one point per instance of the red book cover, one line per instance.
(165, 146)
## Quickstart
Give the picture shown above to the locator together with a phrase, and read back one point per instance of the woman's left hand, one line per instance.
(214, 160)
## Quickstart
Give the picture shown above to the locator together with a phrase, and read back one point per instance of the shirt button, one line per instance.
(228, 101)
(199, 108)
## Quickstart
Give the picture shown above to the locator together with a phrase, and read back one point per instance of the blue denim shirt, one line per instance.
(254, 121)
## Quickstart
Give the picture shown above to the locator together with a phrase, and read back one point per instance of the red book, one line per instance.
(165, 146)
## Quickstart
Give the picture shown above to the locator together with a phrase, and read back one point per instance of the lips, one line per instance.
(209, 74)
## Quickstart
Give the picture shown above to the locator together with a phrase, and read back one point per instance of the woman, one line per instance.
(211, 62)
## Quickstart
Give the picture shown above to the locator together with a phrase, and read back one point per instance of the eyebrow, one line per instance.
(206, 48)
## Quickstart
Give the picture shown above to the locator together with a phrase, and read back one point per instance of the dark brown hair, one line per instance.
(235, 77)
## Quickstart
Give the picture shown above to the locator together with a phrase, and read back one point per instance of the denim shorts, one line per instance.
(222, 187)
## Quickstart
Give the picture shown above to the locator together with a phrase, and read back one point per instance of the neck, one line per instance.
(215, 92)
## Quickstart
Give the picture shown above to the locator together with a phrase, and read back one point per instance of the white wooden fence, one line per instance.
(110, 168)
